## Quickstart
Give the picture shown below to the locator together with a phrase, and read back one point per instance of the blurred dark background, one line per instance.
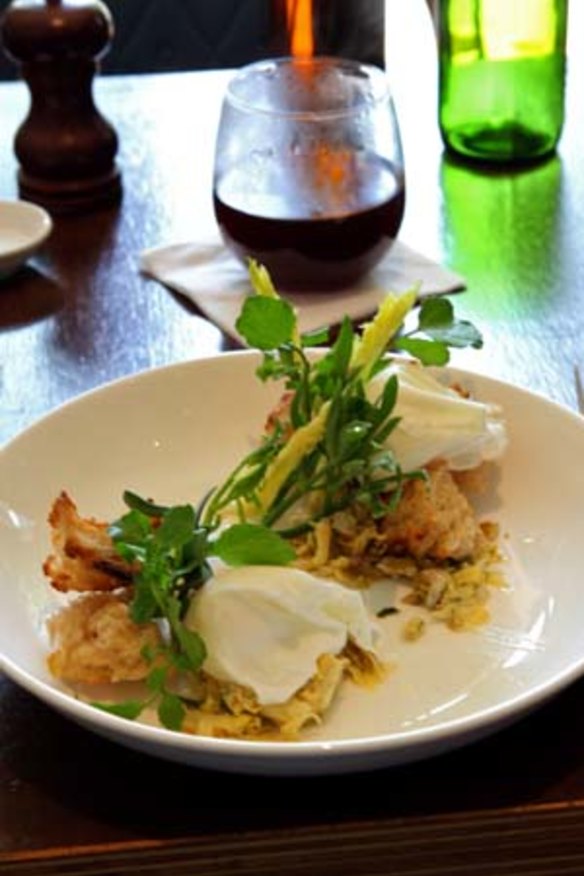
(152, 36)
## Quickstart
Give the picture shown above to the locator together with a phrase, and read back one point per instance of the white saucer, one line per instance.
(23, 227)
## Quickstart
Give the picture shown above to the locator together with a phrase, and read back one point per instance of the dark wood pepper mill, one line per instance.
(66, 149)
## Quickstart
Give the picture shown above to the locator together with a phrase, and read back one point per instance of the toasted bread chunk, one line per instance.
(84, 557)
(434, 519)
(97, 642)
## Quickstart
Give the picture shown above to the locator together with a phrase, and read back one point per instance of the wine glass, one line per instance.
(308, 175)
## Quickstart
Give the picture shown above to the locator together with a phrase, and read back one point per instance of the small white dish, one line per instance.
(172, 433)
(23, 228)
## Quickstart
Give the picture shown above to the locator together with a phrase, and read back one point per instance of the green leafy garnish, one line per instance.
(170, 708)
(440, 329)
(171, 711)
(427, 351)
(169, 549)
(247, 545)
(130, 709)
(329, 444)
(268, 322)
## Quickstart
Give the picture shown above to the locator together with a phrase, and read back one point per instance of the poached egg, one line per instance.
(266, 626)
(436, 422)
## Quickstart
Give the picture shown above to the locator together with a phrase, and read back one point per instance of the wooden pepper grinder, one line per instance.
(66, 149)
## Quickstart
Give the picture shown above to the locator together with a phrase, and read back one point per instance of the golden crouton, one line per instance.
(84, 557)
(433, 519)
(97, 642)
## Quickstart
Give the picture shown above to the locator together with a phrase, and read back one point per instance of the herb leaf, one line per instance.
(460, 334)
(130, 535)
(427, 351)
(315, 338)
(171, 711)
(435, 313)
(192, 646)
(245, 544)
(130, 709)
(144, 606)
(437, 322)
(156, 678)
(266, 323)
(132, 500)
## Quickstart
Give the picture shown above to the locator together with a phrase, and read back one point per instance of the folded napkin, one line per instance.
(218, 283)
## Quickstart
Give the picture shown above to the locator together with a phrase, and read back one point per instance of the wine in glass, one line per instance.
(309, 176)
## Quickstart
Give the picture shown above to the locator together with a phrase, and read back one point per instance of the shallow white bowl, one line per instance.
(174, 432)
(23, 228)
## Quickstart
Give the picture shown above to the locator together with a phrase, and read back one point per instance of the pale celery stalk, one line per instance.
(374, 340)
(299, 445)
(262, 285)
(378, 333)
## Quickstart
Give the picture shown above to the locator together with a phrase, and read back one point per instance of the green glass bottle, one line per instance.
(502, 69)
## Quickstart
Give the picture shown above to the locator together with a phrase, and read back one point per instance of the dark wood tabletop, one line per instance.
(80, 314)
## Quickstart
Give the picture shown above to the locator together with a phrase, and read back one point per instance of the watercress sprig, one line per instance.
(328, 443)
(169, 549)
(436, 331)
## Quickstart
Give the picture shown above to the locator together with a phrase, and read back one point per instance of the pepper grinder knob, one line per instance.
(66, 149)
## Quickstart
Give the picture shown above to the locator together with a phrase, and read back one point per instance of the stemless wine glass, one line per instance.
(309, 176)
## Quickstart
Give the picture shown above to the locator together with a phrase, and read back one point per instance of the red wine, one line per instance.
(319, 222)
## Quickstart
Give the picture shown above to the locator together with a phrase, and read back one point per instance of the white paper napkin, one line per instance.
(217, 283)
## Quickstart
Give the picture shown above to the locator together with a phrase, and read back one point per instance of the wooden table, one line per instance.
(81, 315)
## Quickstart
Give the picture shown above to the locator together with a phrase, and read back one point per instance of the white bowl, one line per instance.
(174, 432)
(23, 228)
